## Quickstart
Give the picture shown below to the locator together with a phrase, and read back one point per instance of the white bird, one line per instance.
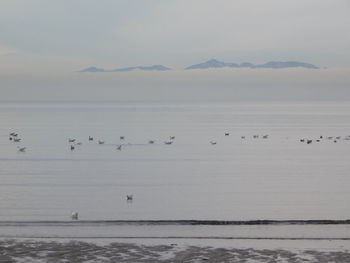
(75, 215)
(16, 139)
(100, 142)
(213, 142)
(168, 142)
(71, 140)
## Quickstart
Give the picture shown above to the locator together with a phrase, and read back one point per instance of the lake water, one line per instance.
(236, 179)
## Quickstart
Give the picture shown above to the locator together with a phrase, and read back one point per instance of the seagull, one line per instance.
(227, 134)
(119, 147)
(150, 142)
(75, 215)
(16, 139)
(71, 140)
(265, 136)
(21, 149)
(100, 142)
(172, 137)
(72, 147)
(129, 197)
(122, 137)
(309, 141)
(91, 138)
(168, 142)
(242, 137)
(12, 136)
(79, 143)
(213, 142)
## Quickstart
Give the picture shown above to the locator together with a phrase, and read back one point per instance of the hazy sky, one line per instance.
(44, 43)
(70, 34)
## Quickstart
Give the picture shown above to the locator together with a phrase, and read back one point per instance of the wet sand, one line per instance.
(31, 250)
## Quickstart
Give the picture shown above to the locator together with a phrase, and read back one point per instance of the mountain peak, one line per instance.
(145, 68)
(93, 69)
(213, 63)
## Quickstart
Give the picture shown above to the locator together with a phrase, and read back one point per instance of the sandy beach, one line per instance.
(33, 250)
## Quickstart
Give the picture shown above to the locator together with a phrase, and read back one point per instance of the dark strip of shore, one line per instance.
(177, 222)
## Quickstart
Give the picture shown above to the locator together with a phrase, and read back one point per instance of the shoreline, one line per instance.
(185, 222)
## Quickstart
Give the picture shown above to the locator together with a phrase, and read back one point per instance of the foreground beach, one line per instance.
(171, 241)
(33, 250)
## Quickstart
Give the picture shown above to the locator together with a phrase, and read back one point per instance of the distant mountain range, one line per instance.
(212, 63)
(146, 68)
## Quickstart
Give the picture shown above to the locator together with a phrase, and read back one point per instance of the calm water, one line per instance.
(236, 179)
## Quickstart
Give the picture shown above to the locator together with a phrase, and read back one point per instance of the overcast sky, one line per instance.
(78, 33)
(43, 43)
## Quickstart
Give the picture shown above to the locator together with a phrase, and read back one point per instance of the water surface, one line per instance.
(236, 179)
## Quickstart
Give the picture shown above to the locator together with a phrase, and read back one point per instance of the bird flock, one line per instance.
(73, 143)
(15, 138)
(335, 139)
